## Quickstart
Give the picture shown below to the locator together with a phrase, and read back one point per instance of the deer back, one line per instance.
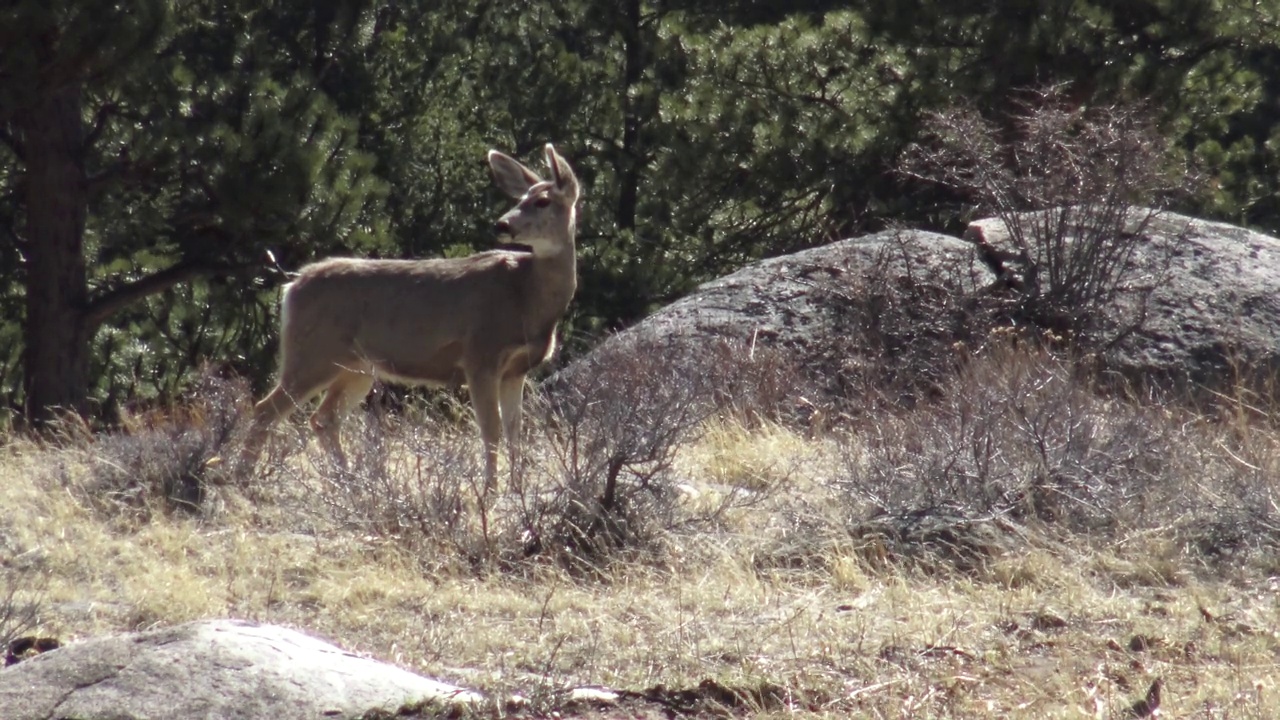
(422, 320)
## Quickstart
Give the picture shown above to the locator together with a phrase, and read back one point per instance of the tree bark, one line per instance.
(57, 333)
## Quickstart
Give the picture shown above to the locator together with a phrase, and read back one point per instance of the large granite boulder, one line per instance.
(801, 300)
(887, 314)
(800, 333)
(210, 669)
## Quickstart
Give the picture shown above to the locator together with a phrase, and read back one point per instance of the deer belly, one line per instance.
(441, 366)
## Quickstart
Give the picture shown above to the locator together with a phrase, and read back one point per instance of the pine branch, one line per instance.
(118, 298)
(124, 170)
(99, 123)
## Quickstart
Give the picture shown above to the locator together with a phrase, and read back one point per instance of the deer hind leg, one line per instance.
(511, 403)
(344, 393)
(484, 390)
(293, 390)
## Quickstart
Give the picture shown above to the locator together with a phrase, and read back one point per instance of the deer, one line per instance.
(485, 321)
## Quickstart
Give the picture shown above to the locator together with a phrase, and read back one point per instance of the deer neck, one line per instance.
(555, 277)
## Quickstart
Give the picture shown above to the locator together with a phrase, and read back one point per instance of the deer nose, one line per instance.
(502, 227)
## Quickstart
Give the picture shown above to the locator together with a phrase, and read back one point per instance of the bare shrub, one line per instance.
(1074, 185)
(753, 382)
(1020, 441)
(612, 433)
(595, 481)
(900, 324)
(1015, 438)
(418, 481)
(21, 590)
(170, 457)
(1230, 452)
(750, 379)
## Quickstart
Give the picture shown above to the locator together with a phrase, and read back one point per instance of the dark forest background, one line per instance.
(165, 163)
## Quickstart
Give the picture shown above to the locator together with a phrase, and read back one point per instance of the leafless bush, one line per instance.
(20, 591)
(750, 379)
(900, 324)
(612, 434)
(754, 382)
(594, 480)
(169, 456)
(1074, 185)
(1020, 440)
(1230, 468)
(593, 477)
(1014, 438)
(418, 481)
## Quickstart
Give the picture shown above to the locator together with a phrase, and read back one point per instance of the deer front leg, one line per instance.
(511, 400)
(485, 403)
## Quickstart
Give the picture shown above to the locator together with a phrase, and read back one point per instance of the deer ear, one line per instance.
(510, 176)
(562, 175)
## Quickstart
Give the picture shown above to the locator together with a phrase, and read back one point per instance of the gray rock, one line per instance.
(798, 300)
(811, 326)
(880, 315)
(210, 669)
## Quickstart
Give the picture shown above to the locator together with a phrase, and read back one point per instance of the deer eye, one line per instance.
(542, 201)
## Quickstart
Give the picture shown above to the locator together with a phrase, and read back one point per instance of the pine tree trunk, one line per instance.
(57, 333)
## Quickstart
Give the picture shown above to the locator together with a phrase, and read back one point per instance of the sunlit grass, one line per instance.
(774, 592)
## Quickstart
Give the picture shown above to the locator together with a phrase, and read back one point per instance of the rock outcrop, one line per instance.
(811, 325)
(881, 314)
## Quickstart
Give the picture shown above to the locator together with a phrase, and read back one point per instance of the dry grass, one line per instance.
(771, 591)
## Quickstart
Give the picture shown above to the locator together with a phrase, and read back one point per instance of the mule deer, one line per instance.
(485, 320)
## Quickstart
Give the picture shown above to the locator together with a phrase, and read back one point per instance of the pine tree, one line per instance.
(157, 146)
